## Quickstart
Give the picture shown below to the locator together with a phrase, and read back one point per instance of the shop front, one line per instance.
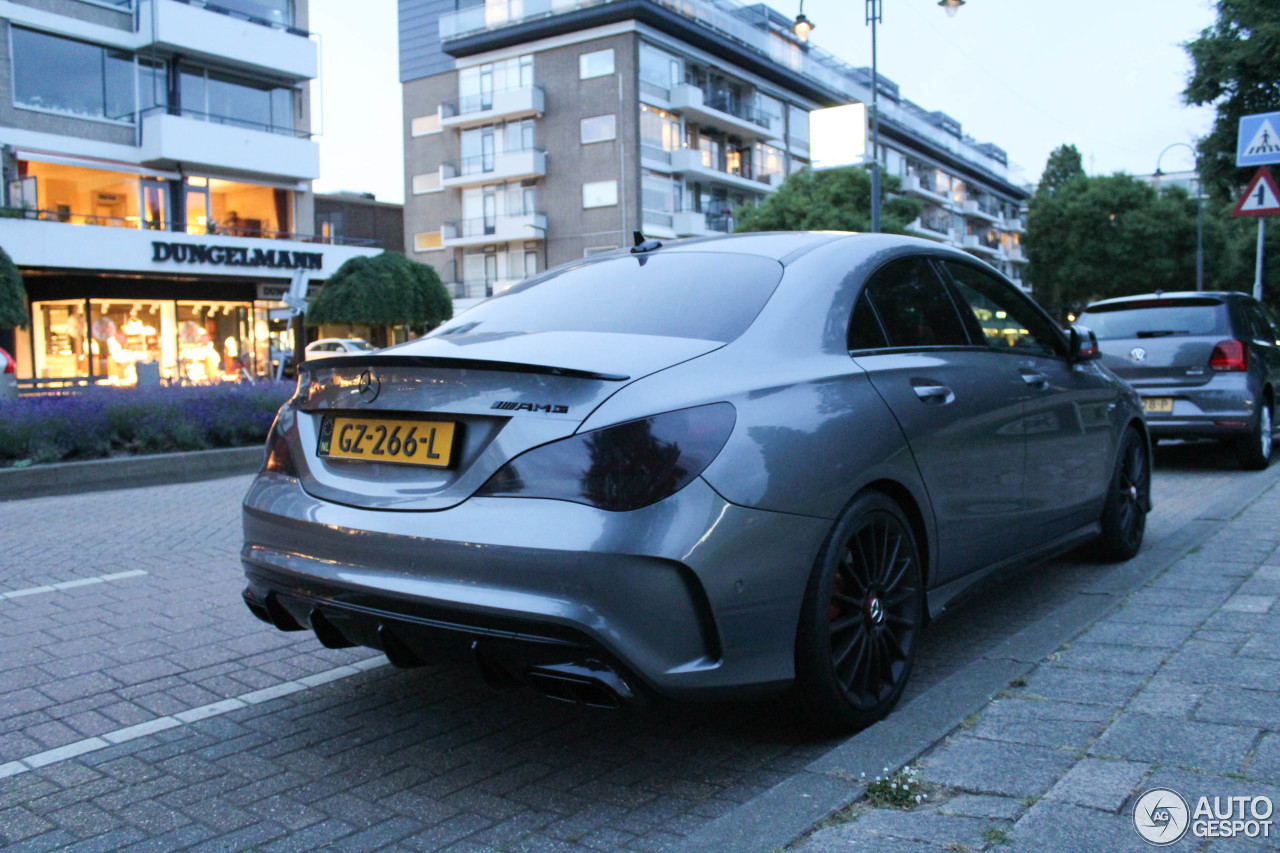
(120, 306)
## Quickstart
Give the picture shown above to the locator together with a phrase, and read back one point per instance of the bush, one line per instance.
(100, 422)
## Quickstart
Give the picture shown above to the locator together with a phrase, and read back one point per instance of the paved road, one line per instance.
(142, 707)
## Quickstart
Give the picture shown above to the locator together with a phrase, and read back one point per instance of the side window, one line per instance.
(1260, 328)
(913, 306)
(1008, 321)
(864, 327)
(1271, 321)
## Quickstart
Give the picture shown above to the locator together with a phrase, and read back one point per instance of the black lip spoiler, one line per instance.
(430, 361)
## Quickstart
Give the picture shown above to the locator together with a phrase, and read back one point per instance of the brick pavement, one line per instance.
(419, 760)
(1179, 687)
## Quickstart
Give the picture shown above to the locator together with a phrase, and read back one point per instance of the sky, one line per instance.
(1028, 75)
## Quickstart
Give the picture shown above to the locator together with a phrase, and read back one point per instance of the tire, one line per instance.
(1253, 451)
(861, 619)
(1124, 515)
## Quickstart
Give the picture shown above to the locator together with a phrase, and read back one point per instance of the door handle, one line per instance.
(937, 395)
(1033, 378)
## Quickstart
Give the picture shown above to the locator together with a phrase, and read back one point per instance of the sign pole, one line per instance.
(1257, 275)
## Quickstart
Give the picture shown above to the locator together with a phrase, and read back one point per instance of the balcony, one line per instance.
(506, 166)
(491, 107)
(214, 33)
(688, 161)
(485, 230)
(933, 229)
(981, 244)
(197, 141)
(912, 185)
(975, 210)
(694, 104)
(1014, 223)
(1014, 253)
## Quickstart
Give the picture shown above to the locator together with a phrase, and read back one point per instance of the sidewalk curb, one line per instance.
(788, 810)
(95, 475)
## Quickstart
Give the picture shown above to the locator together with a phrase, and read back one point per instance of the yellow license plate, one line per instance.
(400, 440)
(1163, 405)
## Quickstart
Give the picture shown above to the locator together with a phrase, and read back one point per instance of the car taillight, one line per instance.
(8, 361)
(279, 460)
(1229, 356)
(622, 467)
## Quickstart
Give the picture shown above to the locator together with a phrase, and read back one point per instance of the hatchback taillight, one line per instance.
(8, 361)
(1229, 356)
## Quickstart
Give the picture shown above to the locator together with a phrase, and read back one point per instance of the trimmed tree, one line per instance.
(13, 301)
(383, 290)
(830, 200)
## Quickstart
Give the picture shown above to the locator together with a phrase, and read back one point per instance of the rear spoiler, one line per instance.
(437, 362)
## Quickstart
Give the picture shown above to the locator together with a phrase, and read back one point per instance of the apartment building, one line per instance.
(157, 168)
(539, 131)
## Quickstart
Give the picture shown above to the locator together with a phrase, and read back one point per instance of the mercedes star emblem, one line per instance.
(369, 386)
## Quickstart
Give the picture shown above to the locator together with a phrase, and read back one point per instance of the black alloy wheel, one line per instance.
(1124, 516)
(861, 622)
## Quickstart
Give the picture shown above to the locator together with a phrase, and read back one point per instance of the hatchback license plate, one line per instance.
(400, 440)
(1158, 405)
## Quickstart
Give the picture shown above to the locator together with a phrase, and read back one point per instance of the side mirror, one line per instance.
(1084, 344)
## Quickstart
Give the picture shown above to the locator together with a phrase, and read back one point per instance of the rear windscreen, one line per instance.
(707, 296)
(1157, 319)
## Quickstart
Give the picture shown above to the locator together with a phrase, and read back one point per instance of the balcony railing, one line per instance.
(263, 16)
(484, 163)
(510, 99)
(486, 226)
(137, 223)
(230, 121)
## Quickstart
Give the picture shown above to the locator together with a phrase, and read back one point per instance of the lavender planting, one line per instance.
(100, 422)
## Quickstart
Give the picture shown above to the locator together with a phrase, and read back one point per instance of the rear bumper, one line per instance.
(692, 596)
(1222, 408)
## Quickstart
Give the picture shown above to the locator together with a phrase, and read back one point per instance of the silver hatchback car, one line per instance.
(1205, 363)
(713, 468)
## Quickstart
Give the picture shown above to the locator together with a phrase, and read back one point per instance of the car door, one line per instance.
(1263, 335)
(958, 404)
(1067, 419)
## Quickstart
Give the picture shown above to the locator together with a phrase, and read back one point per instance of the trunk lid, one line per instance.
(1164, 361)
(503, 394)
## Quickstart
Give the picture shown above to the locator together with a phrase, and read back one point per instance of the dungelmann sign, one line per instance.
(234, 256)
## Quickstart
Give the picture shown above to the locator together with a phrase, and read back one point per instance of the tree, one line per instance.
(1064, 166)
(1235, 69)
(382, 290)
(13, 296)
(829, 200)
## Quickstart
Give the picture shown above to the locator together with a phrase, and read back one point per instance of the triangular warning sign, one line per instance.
(1261, 197)
(1265, 141)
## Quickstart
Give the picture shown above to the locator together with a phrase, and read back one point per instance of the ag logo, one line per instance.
(1138, 354)
(369, 386)
(1161, 816)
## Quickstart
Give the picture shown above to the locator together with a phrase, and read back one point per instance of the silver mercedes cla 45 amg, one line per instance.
(714, 468)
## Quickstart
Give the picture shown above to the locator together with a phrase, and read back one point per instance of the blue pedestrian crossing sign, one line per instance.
(1258, 143)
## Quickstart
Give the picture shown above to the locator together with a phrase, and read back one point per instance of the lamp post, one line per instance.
(874, 16)
(1199, 208)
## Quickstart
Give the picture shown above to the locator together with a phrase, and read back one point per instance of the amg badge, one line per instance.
(511, 406)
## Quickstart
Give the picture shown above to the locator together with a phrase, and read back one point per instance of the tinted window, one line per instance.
(708, 296)
(913, 306)
(1260, 326)
(1008, 321)
(1157, 318)
(864, 327)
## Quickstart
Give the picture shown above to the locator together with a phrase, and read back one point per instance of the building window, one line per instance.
(477, 84)
(769, 161)
(659, 71)
(426, 183)
(599, 193)
(423, 125)
(659, 133)
(428, 241)
(331, 225)
(78, 79)
(799, 130)
(225, 99)
(595, 64)
(598, 129)
(659, 198)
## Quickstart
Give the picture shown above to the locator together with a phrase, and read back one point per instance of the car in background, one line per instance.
(329, 347)
(8, 376)
(1206, 364)
(714, 468)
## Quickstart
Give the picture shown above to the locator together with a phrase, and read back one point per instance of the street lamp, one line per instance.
(1199, 208)
(874, 16)
(803, 26)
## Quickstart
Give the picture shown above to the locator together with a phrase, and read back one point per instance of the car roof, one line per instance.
(1172, 296)
(787, 246)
